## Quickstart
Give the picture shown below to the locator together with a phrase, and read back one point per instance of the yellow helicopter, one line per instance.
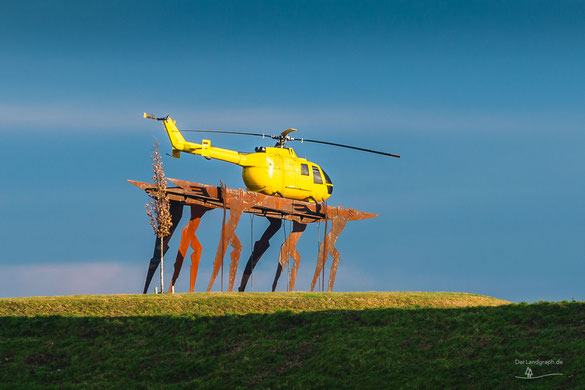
(270, 170)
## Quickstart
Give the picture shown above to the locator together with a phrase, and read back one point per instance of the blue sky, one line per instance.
(484, 101)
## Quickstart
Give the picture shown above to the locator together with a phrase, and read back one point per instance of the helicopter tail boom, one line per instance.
(203, 149)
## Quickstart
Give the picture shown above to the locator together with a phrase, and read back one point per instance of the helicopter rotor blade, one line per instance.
(346, 146)
(230, 132)
(287, 132)
(284, 135)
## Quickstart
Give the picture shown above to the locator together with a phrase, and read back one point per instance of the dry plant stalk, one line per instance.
(158, 208)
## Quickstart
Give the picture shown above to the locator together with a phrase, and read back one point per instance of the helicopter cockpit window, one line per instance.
(304, 169)
(317, 176)
(327, 178)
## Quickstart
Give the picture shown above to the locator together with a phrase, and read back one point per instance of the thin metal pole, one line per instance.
(318, 254)
(287, 274)
(325, 256)
(252, 250)
(222, 248)
(162, 282)
(223, 193)
(284, 232)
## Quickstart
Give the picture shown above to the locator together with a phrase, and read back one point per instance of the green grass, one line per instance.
(281, 340)
(216, 304)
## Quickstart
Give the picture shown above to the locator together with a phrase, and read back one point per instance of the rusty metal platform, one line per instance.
(191, 193)
(202, 198)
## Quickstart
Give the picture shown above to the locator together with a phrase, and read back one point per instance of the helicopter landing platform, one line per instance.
(190, 193)
(203, 197)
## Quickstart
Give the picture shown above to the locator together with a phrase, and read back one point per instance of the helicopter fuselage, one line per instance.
(270, 170)
(279, 171)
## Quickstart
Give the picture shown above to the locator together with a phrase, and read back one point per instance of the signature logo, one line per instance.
(528, 374)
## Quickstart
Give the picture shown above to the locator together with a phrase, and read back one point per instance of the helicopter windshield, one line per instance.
(327, 179)
(317, 176)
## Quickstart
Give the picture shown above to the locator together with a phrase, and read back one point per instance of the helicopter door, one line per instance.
(304, 179)
(289, 172)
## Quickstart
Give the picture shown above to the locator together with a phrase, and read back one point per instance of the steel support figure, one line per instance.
(259, 248)
(327, 247)
(176, 210)
(189, 238)
(288, 250)
(237, 204)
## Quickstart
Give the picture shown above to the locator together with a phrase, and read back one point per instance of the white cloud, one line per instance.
(372, 120)
(73, 278)
(120, 278)
(66, 117)
(368, 120)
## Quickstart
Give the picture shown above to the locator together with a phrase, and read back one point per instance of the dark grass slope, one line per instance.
(413, 345)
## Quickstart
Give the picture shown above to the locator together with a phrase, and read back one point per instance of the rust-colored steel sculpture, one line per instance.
(288, 250)
(327, 247)
(259, 248)
(188, 238)
(202, 198)
(237, 204)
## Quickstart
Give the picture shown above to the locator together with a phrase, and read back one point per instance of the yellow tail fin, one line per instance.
(175, 135)
(203, 149)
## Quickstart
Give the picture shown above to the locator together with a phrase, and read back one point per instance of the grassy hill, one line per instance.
(289, 340)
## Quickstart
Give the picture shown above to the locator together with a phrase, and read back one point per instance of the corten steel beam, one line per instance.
(288, 250)
(188, 238)
(238, 203)
(259, 248)
(327, 247)
(203, 197)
